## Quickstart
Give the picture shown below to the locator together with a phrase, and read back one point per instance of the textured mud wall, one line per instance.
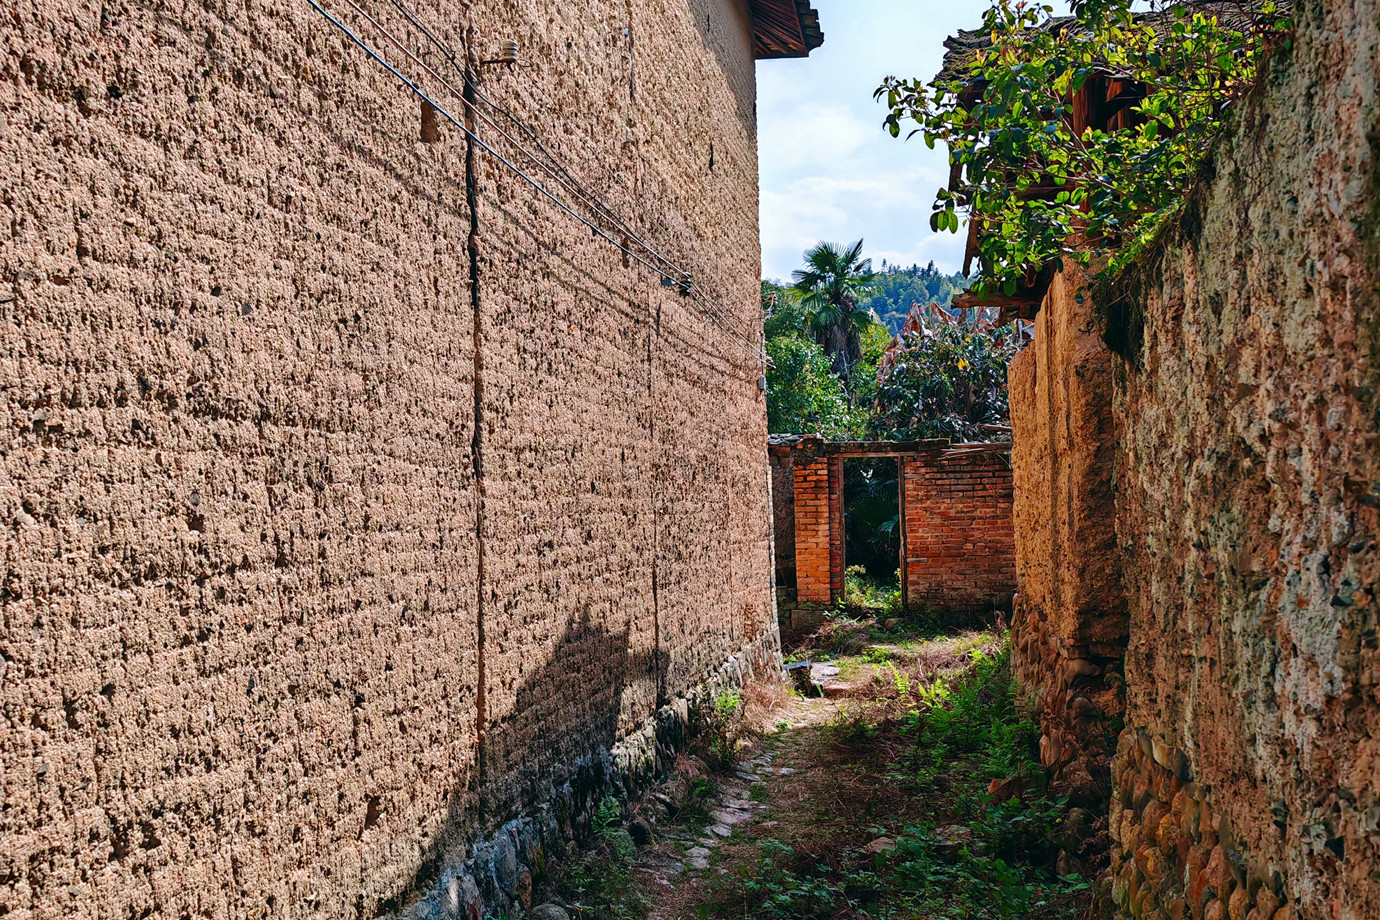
(1069, 616)
(322, 545)
(783, 520)
(958, 541)
(1248, 475)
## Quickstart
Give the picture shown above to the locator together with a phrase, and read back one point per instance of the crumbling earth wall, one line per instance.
(1069, 613)
(1249, 772)
(1243, 396)
(354, 497)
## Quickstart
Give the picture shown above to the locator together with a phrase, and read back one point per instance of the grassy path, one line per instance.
(872, 802)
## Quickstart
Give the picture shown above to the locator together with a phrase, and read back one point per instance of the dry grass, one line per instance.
(766, 703)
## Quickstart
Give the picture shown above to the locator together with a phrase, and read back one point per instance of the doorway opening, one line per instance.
(872, 532)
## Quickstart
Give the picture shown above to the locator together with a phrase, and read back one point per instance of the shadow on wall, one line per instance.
(551, 751)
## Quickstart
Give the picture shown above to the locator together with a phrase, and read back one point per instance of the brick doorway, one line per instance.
(872, 525)
(957, 549)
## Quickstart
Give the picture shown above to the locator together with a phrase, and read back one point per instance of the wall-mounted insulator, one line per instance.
(762, 384)
(507, 53)
(684, 283)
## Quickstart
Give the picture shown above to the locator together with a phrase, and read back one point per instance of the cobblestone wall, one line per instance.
(1245, 507)
(352, 494)
(1232, 441)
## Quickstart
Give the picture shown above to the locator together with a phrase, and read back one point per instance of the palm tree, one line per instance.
(831, 285)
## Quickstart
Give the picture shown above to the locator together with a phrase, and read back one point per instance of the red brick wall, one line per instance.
(813, 540)
(960, 550)
(837, 552)
(959, 544)
(783, 518)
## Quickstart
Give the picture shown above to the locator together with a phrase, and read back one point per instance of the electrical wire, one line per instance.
(555, 163)
(676, 277)
(554, 168)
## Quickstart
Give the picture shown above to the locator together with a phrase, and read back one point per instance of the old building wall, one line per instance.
(956, 532)
(818, 528)
(956, 527)
(783, 520)
(1247, 776)
(1069, 614)
(342, 517)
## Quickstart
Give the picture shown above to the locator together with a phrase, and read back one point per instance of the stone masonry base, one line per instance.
(1174, 856)
(495, 874)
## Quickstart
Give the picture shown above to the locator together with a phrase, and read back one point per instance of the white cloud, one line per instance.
(803, 135)
(829, 171)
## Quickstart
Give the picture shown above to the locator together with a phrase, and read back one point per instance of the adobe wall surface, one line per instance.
(341, 518)
(783, 521)
(1069, 615)
(958, 540)
(1248, 778)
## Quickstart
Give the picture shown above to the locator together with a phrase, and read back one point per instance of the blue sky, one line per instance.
(829, 171)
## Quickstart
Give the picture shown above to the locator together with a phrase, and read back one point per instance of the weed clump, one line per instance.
(600, 882)
(913, 828)
(717, 729)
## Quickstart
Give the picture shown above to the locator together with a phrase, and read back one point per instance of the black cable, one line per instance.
(554, 168)
(678, 279)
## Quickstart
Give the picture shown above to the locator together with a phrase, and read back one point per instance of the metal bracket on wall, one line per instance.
(684, 283)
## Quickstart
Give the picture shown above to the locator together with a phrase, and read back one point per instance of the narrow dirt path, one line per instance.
(873, 802)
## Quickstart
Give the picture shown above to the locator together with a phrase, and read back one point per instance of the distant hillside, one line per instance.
(899, 287)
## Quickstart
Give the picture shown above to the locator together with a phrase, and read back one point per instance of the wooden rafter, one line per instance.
(784, 28)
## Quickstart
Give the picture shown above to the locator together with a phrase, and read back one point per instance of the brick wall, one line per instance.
(783, 520)
(353, 497)
(956, 523)
(958, 541)
(815, 534)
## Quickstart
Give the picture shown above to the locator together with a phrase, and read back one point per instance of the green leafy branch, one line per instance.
(1041, 182)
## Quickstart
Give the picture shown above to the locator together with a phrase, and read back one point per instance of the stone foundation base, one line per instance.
(494, 875)
(1174, 857)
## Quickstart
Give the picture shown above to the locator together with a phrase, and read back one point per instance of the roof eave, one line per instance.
(784, 29)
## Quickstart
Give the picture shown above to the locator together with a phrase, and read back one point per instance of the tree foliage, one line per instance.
(804, 396)
(896, 288)
(831, 287)
(948, 382)
(1040, 192)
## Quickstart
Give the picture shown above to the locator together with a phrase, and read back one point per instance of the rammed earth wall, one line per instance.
(354, 499)
(1248, 475)
(1245, 473)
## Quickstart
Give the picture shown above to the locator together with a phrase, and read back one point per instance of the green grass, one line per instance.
(863, 595)
(968, 858)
